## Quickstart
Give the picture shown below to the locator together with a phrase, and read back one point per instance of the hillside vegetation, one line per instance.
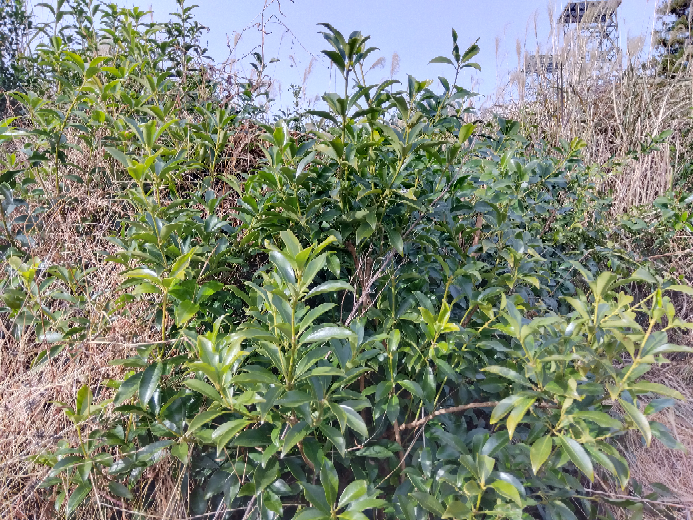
(404, 310)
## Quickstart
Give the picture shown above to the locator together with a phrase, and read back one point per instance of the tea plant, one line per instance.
(430, 331)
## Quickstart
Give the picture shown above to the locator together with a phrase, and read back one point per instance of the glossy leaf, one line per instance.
(577, 455)
(201, 419)
(150, 381)
(203, 388)
(507, 490)
(429, 503)
(352, 492)
(227, 431)
(355, 421)
(508, 373)
(503, 408)
(295, 435)
(184, 312)
(326, 334)
(638, 419)
(283, 266)
(540, 451)
(519, 411)
(332, 286)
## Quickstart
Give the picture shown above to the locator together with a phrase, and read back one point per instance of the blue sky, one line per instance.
(417, 31)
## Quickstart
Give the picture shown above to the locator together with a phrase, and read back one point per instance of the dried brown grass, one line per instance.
(615, 120)
(659, 464)
(615, 106)
(31, 420)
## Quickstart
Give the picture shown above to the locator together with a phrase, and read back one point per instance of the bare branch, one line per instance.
(444, 411)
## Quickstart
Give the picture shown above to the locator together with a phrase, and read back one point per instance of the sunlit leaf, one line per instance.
(577, 455)
(540, 451)
(638, 419)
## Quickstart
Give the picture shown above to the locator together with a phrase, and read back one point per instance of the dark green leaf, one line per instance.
(295, 435)
(227, 431)
(316, 496)
(355, 421)
(203, 388)
(335, 436)
(202, 418)
(428, 502)
(442, 59)
(265, 476)
(508, 373)
(120, 490)
(600, 418)
(352, 492)
(396, 240)
(330, 481)
(539, 452)
(578, 455)
(149, 382)
(332, 286)
(643, 387)
(185, 311)
(283, 266)
(77, 497)
(310, 513)
(639, 419)
(83, 401)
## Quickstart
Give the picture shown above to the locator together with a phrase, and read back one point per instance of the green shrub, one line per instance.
(429, 334)
(15, 23)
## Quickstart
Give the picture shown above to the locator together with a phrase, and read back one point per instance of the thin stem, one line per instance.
(443, 411)
(6, 226)
(57, 144)
(163, 316)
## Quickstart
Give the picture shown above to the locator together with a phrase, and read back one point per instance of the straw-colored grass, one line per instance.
(31, 420)
(659, 465)
(616, 107)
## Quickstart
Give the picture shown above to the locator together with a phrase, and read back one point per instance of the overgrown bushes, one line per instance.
(406, 314)
(14, 26)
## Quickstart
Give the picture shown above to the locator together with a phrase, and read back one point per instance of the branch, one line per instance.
(443, 411)
(249, 508)
(461, 408)
(398, 439)
(388, 259)
(468, 317)
(402, 459)
(550, 221)
(477, 235)
(677, 253)
(638, 499)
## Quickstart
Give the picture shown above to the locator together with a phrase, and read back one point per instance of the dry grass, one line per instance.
(31, 420)
(616, 107)
(615, 120)
(659, 464)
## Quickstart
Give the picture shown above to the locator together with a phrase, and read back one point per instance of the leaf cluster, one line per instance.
(405, 316)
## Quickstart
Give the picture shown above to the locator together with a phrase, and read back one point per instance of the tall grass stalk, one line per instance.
(616, 106)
